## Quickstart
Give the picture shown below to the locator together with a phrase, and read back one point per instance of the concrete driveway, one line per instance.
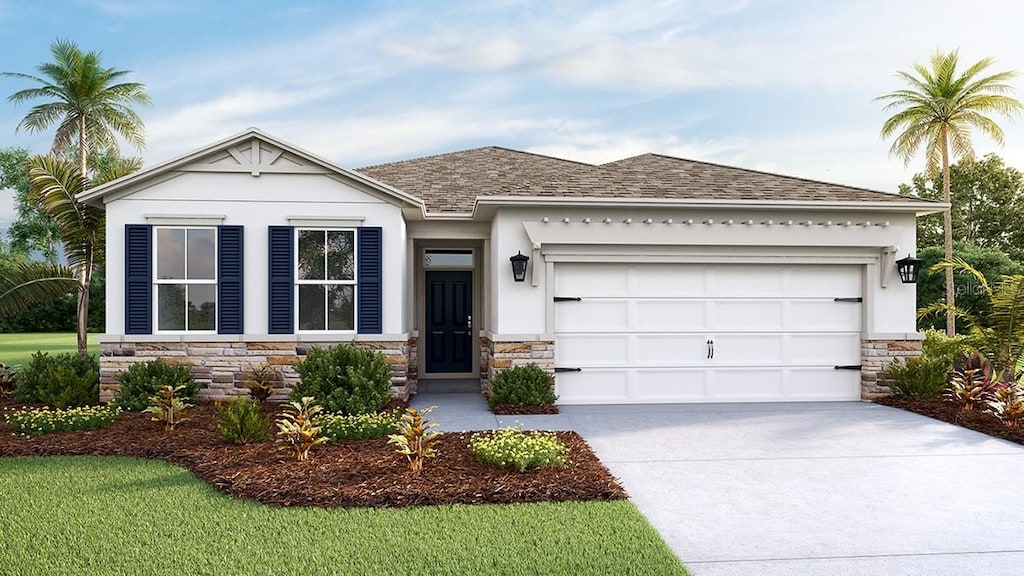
(805, 489)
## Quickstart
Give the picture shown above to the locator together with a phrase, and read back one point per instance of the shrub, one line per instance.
(143, 380)
(974, 380)
(345, 378)
(260, 380)
(1007, 404)
(37, 421)
(46, 375)
(513, 448)
(241, 422)
(919, 378)
(168, 406)
(526, 385)
(415, 439)
(296, 427)
(8, 379)
(938, 346)
(338, 427)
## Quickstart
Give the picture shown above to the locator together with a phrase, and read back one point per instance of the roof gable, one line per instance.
(253, 152)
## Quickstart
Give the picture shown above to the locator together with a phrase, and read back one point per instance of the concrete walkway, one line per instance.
(800, 489)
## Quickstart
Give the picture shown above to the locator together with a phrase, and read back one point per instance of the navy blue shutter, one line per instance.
(368, 291)
(281, 317)
(230, 292)
(138, 279)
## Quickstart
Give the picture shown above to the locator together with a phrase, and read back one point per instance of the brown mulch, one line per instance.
(977, 420)
(510, 409)
(357, 473)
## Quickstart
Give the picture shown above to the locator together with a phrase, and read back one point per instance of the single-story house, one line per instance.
(648, 279)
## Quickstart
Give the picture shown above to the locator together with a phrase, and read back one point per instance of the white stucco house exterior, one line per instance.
(650, 279)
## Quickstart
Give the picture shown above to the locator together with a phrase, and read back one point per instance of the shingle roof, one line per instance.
(451, 183)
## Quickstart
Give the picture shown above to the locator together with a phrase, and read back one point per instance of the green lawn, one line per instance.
(86, 515)
(18, 348)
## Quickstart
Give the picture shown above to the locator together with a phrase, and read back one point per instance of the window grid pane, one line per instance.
(325, 271)
(201, 256)
(186, 279)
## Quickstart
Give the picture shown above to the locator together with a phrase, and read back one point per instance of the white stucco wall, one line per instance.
(256, 203)
(518, 309)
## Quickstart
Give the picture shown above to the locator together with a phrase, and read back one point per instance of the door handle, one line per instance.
(469, 322)
(711, 348)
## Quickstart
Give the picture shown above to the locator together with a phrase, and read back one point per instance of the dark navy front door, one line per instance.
(449, 321)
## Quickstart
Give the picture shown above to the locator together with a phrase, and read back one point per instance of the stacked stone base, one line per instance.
(219, 368)
(498, 356)
(876, 356)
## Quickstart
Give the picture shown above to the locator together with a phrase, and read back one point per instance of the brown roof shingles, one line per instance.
(451, 183)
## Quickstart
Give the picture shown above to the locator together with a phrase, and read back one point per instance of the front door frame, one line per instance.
(419, 251)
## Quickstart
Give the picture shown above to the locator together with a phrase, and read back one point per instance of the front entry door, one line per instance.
(449, 320)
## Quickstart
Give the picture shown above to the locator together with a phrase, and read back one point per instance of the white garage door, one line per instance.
(645, 333)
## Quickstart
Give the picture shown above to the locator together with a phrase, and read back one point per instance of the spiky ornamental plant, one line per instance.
(168, 406)
(975, 380)
(415, 440)
(936, 112)
(1007, 404)
(297, 428)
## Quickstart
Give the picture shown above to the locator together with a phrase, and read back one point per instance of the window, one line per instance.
(325, 278)
(186, 279)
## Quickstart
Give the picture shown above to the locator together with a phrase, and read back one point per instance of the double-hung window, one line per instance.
(185, 279)
(325, 279)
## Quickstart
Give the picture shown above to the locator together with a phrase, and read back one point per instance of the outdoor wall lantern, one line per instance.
(519, 263)
(908, 268)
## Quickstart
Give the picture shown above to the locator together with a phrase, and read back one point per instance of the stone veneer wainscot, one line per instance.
(876, 355)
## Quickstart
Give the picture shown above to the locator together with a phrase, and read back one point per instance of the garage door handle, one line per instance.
(568, 299)
(849, 367)
(857, 299)
(560, 369)
(711, 349)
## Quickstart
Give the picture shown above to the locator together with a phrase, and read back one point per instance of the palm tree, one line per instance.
(937, 112)
(55, 185)
(89, 108)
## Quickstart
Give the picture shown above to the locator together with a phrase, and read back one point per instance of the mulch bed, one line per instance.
(511, 409)
(977, 420)
(357, 473)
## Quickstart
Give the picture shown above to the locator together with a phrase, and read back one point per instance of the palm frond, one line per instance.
(26, 284)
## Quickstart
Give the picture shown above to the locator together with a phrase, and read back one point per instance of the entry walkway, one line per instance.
(800, 489)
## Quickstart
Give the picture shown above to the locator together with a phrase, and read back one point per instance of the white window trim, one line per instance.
(158, 281)
(353, 282)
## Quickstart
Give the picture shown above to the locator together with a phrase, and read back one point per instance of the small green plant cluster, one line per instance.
(922, 378)
(338, 427)
(528, 385)
(143, 380)
(62, 381)
(169, 406)
(260, 379)
(415, 439)
(38, 421)
(513, 448)
(241, 421)
(345, 379)
(297, 429)
(8, 379)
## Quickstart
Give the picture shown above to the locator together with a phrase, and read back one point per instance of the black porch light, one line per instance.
(908, 268)
(519, 266)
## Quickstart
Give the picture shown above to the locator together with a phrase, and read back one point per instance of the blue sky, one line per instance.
(779, 85)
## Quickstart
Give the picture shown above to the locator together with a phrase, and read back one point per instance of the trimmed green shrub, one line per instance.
(345, 379)
(142, 381)
(38, 421)
(64, 379)
(338, 427)
(513, 448)
(938, 346)
(241, 422)
(921, 378)
(528, 385)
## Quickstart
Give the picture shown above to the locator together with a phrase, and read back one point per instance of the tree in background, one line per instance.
(83, 99)
(988, 205)
(33, 230)
(971, 298)
(937, 112)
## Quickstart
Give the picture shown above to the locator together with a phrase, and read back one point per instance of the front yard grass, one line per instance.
(92, 515)
(17, 349)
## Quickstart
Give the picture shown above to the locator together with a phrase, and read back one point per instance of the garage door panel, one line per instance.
(600, 280)
(823, 316)
(739, 281)
(660, 280)
(748, 349)
(747, 384)
(835, 349)
(592, 387)
(592, 315)
(670, 385)
(593, 350)
(670, 315)
(669, 349)
(822, 384)
(747, 314)
(838, 282)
